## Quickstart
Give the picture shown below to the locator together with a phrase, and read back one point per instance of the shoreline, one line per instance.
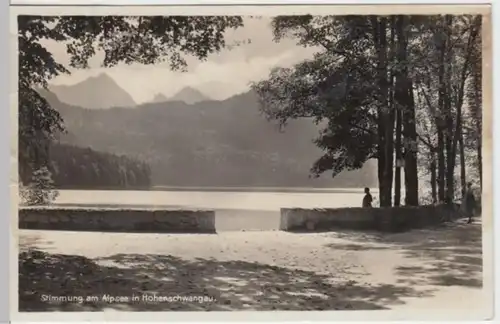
(230, 189)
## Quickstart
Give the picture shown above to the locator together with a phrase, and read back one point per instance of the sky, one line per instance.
(222, 75)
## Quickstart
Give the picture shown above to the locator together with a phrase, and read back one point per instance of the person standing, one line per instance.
(367, 199)
(470, 202)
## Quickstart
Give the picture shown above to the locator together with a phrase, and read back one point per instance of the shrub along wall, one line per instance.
(117, 220)
(393, 219)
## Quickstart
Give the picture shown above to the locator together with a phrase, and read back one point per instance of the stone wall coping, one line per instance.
(118, 208)
(370, 208)
(384, 219)
(118, 219)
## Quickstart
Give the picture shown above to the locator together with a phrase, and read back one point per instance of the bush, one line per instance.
(40, 190)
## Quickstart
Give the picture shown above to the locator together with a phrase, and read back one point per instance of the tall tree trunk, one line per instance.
(480, 161)
(458, 135)
(463, 178)
(448, 117)
(479, 124)
(441, 165)
(388, 115)
(432, 170)
(407, 108)
(381, 165)
(397, 116)
(476, 95)
(441, 161)
(475, 104)
(399, 156)
(385, 118)
(411, 165)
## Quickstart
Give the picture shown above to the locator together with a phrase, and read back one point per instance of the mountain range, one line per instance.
(96, 92)
(101, 92)
(159, 97)
(189, 95)
(206, 143)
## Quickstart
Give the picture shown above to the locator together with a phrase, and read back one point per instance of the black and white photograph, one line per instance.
(274, 159)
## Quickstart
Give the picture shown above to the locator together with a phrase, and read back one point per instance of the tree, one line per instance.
(305, 92)
(474, 97)
(452, 40)
(385, 112)
(374, 88)
(122, 39)
(40, 191)
(406, 107)
(345, 86)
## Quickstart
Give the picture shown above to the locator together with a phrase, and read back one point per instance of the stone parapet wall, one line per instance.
(118, 220)
(393, 219)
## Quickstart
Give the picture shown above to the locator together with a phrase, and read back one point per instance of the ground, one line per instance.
(255, 270)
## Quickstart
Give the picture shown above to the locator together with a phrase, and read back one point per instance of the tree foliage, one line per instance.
(446, 53)
(327, 88)
(367, 71)
(40, 190)
(341, 86)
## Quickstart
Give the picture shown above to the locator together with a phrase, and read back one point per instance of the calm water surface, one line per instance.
(264, 201)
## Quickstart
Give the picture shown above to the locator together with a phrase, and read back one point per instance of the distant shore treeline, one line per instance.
(232, 189)
(83, 168)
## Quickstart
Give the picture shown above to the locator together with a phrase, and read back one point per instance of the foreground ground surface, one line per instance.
(256, 270)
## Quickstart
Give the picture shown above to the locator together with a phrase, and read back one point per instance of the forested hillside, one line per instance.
(83, 168)
(210, 143)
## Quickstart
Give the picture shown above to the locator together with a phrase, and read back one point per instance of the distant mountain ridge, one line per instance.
(159, 97)
(208, 143)
(96, 92)
(189, 95)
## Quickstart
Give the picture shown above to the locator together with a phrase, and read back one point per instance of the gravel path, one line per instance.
(256, 270)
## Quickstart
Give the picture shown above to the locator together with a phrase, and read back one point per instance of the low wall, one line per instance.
(393, 219)
(117, 220)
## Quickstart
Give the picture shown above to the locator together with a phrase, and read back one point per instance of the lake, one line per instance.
(211, 199)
